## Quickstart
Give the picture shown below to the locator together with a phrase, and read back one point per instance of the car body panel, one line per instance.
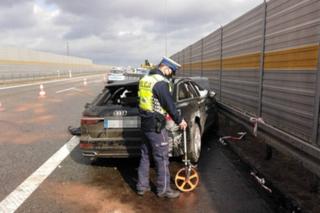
(118, 102)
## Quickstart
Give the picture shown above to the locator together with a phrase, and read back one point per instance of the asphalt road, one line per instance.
(33, 128)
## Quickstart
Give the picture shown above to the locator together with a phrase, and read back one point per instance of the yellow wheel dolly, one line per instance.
(187, 178)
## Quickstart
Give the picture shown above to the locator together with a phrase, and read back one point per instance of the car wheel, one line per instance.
(195, 143)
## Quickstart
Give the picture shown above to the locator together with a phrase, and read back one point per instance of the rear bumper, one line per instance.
(110, 147)
(119, 147)
(112, 152)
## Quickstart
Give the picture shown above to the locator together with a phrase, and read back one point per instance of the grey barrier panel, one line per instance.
(220, 62)
(240, 76)
(285, 92)
(295, 25)
(316, 126)
(196, 58)
(211, 55)
(288, 94)
(190, 60)
(201, 58)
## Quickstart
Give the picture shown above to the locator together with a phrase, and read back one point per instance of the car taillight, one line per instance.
(89, 121)
(86, 146)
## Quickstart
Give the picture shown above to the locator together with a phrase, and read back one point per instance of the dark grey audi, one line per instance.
(110, 126)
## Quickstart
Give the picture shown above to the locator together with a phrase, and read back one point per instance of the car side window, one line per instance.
(197, 88)
(194, 91)
(184, 91)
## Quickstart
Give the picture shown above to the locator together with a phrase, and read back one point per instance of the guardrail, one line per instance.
(286, 143)
(8, 78)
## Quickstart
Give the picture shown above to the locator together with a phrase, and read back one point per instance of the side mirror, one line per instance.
(212, 94)
(203, 93)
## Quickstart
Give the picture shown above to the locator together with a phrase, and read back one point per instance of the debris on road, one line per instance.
(74, 130)
(261, 181)
(233, 138)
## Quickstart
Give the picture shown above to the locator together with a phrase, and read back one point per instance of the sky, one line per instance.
(114, 32)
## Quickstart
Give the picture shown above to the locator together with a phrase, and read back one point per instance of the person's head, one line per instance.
(168, 66)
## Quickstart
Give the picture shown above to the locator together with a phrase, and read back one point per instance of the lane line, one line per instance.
(65, 90)
(47, 82)
(16, 198)
(97, 81)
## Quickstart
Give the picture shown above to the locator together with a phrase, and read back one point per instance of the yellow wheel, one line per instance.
(185, 183)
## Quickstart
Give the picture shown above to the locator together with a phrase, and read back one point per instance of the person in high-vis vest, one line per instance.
(155, 102)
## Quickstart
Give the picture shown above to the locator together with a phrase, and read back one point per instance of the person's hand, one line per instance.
(183, 125)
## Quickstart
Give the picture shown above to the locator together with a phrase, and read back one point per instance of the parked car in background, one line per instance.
(116, 74)
(110, 126)
(142, 71)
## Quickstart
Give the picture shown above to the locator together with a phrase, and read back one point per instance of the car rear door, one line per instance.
(201, 104)
(187, 100)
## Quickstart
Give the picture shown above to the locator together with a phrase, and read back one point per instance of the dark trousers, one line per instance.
(156, 145)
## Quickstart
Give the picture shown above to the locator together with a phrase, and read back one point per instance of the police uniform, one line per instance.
(155, 102)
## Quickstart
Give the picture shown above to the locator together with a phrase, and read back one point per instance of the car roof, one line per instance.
(135, 82)
(123, 83)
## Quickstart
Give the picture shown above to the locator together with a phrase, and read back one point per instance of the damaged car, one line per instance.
(110, 125)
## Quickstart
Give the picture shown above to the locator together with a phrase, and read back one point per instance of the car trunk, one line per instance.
(112, 122)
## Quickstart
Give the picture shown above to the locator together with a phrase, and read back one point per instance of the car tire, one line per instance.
(194, 143)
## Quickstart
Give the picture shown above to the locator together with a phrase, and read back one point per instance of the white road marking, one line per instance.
(47, 82)
(16, 198)
(65, 90)
(97, 81)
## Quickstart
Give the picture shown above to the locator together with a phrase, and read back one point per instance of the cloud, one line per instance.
(122, 32)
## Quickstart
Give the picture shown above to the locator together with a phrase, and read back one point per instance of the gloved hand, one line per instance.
(183, 125)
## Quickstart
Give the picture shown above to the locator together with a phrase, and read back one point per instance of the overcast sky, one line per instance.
(116, 32)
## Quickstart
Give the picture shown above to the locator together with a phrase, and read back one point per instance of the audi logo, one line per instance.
(120, 113)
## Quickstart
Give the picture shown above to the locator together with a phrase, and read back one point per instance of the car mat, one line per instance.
(74, 130)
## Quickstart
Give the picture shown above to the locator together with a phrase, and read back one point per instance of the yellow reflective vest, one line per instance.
(147, 101)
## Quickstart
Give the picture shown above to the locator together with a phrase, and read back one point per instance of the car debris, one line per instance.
(233, 138)
(74, 130)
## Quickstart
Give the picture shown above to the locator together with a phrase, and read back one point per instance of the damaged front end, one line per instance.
(174, 139)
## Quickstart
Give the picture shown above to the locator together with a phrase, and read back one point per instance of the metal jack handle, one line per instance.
(186, 161)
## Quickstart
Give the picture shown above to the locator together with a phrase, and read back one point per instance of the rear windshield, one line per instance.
(123, 95)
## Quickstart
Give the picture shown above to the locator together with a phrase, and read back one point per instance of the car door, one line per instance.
(201, 109)
(186, 100)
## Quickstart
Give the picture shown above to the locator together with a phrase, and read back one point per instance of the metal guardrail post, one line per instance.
(261, 68)
(315, 134)
(221, 60)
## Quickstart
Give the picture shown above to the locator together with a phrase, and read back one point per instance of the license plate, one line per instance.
(124, 122)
